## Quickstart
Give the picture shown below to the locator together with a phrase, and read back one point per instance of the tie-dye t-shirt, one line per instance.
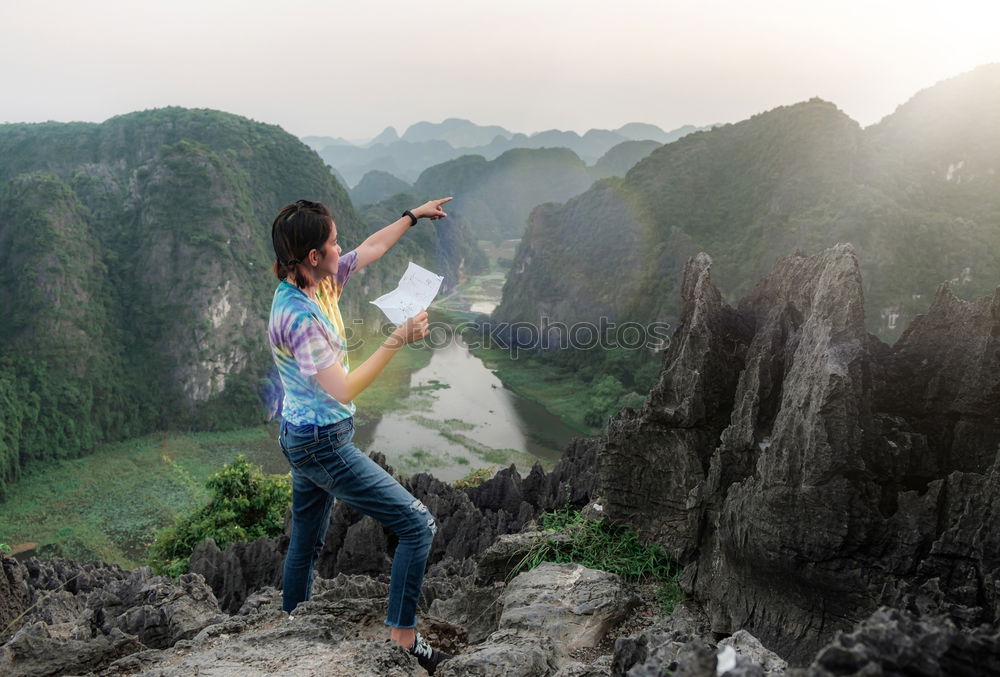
(306, 337)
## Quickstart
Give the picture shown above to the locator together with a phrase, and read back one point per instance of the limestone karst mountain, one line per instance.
(917, 194)
(376, 186)
(425, 144)
(136, 255)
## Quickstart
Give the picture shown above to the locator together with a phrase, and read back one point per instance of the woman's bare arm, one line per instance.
(344, 386)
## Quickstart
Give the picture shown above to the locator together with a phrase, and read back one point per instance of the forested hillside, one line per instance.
(916, 194)
(135, 258)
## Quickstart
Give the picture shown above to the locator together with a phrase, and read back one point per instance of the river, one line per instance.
(459, 417)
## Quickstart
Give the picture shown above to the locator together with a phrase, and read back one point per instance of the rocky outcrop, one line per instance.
(80, 618)
(573, 605)
(898, 642)
(469, 521)
(241, 569)
(682, 645)
(15, 595)
(547, 612)
(805, 472)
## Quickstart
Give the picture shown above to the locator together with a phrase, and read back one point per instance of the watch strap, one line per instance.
(413, 219)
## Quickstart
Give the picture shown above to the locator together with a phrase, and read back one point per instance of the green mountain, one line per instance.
(376, 186)
(135, 255)
(446, 246)
(917, 194)
(624, 156)
(496, 196)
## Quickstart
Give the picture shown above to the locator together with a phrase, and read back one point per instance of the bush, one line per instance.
(244, 505)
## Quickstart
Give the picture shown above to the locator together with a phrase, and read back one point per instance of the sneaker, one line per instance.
(428, 658)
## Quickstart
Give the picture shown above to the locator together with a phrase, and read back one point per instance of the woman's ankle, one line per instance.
(405, 637)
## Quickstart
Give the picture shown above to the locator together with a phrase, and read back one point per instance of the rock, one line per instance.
(243, 568)
(506, 654)
(749, 647)
(33, 652)
(15, 595)
(262, 645)
(601, 667)
(657, 648)
(474, 608)
(62, 574)
(364, 549)
(894, 642)
(153, 609)
(802, 471)
(507, 553)
(547, 612)
(572, 605)
(469, 521)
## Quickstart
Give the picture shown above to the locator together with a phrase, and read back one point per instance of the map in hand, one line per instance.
(416, 289)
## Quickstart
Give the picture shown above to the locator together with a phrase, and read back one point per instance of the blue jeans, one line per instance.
(326, 465)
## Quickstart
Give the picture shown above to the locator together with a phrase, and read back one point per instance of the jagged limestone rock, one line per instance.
(894, 642)
(15, 595)
(780, 459)
(572, 605)
(547, 612)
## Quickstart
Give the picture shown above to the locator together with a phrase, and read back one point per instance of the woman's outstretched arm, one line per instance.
(379, 242)
(344, 386)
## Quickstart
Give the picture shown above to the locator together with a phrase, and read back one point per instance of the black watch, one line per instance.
(413, 219)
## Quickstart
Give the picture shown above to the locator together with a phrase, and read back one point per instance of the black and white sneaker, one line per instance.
(428, 658)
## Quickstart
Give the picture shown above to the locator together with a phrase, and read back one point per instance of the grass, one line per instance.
(599, 545)
(109, 505)
(475, 477)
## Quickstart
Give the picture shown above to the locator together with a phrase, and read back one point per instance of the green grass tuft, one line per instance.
(599, 545)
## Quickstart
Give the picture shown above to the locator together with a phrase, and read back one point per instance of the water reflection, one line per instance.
(459, 417)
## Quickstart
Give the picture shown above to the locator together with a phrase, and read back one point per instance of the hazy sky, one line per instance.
(350, 68)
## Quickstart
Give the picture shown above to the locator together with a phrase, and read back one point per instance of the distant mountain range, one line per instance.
(918, 194)
(425, 144)
(494, 197)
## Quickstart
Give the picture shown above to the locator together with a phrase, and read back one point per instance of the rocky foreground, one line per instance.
(834, 502)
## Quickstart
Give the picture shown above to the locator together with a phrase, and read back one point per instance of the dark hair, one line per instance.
(297, 230)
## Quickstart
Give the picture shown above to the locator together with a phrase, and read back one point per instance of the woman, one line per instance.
(306, 333)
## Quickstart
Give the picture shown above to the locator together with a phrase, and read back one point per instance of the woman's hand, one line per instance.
(413, 329)
(431, 209)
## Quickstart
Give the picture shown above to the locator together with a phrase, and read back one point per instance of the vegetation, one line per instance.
(583, 387)
(496, 196)
(143, 303)
(243, 505)
(475, 477)
(915, 194)
(600, 545)
(109, 505)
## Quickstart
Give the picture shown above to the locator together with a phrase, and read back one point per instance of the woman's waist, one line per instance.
(318, 431)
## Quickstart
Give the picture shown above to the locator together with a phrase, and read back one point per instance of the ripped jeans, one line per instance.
(326, 465)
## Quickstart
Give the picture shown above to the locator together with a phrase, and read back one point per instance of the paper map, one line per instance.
(416, 289)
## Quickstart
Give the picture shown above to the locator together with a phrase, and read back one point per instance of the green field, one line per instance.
(108, 505)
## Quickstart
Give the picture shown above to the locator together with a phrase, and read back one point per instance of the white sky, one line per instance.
(351, 67)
